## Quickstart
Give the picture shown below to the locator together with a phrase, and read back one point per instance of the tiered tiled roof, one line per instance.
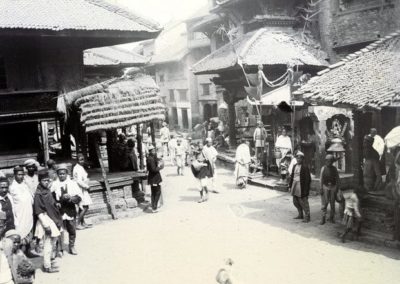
(369, 78)
(58, 15)
(261, 47)
(112, 56)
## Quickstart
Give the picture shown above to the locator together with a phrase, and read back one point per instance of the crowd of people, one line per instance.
(37, 206)
(202, 160)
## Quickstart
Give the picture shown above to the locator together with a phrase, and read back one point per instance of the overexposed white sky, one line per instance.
(163, 11)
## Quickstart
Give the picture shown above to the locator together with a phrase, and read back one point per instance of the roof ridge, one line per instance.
(124, 12)
(126, 51)
(219, 50)
(102, 56)
(250, 42)
(352, 56)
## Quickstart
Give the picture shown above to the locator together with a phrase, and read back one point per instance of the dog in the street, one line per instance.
(224, 275)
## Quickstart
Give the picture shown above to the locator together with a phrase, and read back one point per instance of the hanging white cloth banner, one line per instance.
(275, 97)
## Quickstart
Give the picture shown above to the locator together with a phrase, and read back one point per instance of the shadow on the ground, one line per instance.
(229, 186)
(193, 189)
(190, 198)
(276, 213)
(225, 174)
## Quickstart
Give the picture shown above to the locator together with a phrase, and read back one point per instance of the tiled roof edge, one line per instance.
(250, 42)
(217, 51)
(356, 54)
(126, 13)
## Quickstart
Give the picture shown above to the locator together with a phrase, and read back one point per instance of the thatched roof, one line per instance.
(369, 78)
(117, 103)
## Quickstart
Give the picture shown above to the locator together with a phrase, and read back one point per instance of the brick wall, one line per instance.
(346, 31)
(362, 25)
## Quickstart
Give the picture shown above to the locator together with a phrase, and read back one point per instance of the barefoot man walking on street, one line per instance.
(210, 154)
(299, 185)
(329, 187)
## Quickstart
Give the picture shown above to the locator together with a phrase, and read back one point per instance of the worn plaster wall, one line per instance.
(346, 30)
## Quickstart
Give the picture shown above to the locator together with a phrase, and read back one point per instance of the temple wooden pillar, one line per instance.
(65, 139)
(153, 133)
(320, 129)
(229, 98)
(139, 141)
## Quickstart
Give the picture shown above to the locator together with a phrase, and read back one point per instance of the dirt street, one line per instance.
(187, 242)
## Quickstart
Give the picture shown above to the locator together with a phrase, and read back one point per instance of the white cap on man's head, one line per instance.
(31, 162)
(299, 154)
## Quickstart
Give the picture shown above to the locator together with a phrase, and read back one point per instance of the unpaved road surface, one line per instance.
(187, 242)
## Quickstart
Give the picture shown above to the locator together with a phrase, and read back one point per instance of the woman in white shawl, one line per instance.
(243, 160)
(284, 144)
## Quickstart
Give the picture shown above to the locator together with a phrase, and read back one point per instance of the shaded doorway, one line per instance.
(185, 118)
(174, 114)
(207, 112)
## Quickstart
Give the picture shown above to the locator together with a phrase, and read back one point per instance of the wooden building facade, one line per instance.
(41, 55)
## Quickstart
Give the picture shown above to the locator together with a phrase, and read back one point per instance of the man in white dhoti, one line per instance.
(22, 207)
(210, 153)
(259, 140)
(243, 159)
(31, 178)
(164, 137)
(172, 149)
(284, 144)
(180, 154)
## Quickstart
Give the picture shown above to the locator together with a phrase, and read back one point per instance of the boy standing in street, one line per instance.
(299, 185)
(328, 188)
(154, 166)
(352, 215)
(45, 208)
(68, 194)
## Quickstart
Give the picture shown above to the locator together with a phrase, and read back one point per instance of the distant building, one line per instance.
(190, 99)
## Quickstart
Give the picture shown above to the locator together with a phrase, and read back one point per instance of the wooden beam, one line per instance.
(153, 133)
(107, 185)
(139, 145)
(45, 140)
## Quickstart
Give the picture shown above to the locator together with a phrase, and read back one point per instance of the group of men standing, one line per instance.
(40, 204)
